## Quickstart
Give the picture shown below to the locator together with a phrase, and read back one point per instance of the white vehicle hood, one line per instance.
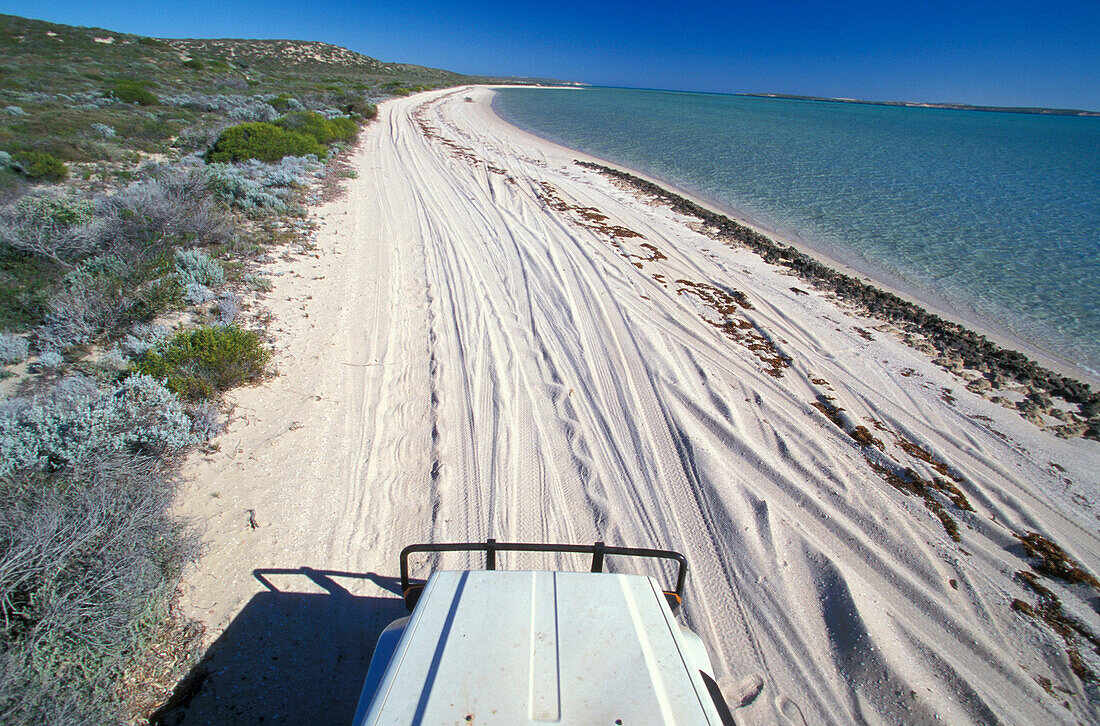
(495, 647)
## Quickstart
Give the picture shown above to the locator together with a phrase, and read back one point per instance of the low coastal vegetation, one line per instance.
(201, 363)
(263, 141)
(133, 92)
(39, 165)
(301, 133)
(142, 183)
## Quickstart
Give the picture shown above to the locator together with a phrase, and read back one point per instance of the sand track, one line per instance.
(500, 343)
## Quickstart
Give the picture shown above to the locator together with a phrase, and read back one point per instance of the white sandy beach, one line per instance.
(472, 352)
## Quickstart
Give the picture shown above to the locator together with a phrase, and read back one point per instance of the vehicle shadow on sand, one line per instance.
(296, 654)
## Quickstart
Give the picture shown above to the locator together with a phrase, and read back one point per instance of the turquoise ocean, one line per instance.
(994, 217)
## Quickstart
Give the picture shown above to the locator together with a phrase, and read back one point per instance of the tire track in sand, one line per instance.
(580, 390)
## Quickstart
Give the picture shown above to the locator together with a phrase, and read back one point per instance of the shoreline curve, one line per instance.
(870, 274)
(959, 344)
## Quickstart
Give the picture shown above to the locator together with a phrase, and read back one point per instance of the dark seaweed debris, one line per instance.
(905, 479)
(1049, 609)
(957, 346)
(908, 481)
(728, 303)
(1053, 560)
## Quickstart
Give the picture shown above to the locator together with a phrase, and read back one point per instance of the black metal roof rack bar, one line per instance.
(598, 551)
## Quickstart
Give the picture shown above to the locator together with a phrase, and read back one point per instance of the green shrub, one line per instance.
(134, 92)
(310, 123)
(361, 108)
(325, 131)
(40, 165)
(263, 141)
(343, 128)
(194, 63)
(199, 364)
(280, 102)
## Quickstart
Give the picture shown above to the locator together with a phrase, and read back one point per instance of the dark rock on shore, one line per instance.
(956, 347)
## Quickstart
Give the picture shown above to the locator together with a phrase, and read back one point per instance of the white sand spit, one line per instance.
(493, 342)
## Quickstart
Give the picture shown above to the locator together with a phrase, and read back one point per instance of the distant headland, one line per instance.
(950, 106)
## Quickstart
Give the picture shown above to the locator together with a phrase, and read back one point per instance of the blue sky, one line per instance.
(1041, 53)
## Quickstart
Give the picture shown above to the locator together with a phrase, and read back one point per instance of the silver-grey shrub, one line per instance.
(13, 348)
(143, 337)
(200, 136)
(53, 225)
(37, 97)
(176, 207)
(229, 306)
(76, 422)
(254, 112)
(103, 130)
(114, 359)
(197, 294)
(50, 359)
(196, 267)
(236, 107)
(256, 185)
(77, 98)
(207, 419)
(89, 559)
(90, 298)
(85, 99)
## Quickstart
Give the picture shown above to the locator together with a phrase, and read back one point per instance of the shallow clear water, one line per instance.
(995, 216)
